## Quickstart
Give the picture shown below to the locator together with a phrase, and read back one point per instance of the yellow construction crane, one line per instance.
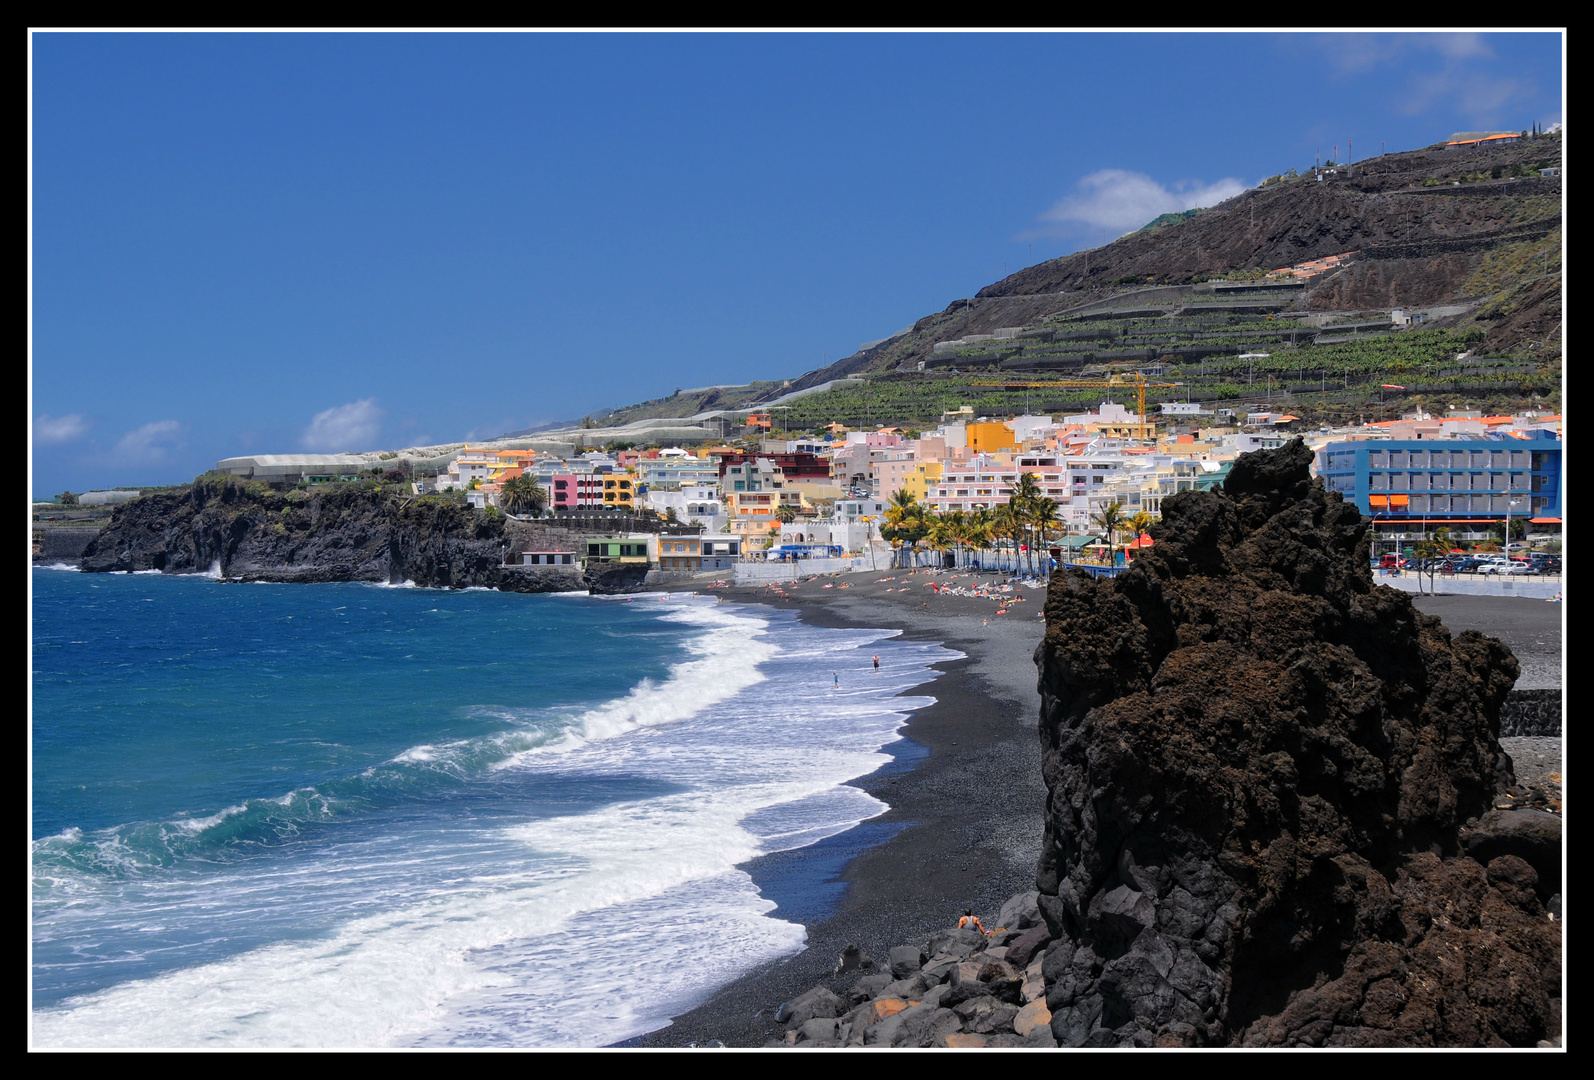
(1135, 380)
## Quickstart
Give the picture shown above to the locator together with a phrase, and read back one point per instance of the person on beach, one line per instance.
(971, 921)
(836, 680)
(877, 663)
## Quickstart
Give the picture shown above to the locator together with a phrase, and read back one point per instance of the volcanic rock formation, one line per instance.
(345, 532)
(1267, 782)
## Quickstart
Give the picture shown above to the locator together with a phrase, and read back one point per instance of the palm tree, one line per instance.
(939, 535)
(980, 530)
(906, 523)
(1109, 520)
(1430, 549)
(1043, 516)
(1021, 497)
(522, 494)
(1007, 525)
(787, 513)
(956, 523)
(1140, 522)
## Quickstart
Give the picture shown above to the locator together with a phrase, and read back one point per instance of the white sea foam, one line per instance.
(200, 824)
(58, 566)
(465, 937)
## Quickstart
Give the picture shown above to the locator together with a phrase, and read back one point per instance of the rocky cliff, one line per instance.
(1275, 796)
(347, 532)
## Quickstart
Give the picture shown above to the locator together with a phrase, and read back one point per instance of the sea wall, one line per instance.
(63, 543)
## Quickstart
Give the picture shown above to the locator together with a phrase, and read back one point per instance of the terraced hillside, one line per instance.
(1467, 240)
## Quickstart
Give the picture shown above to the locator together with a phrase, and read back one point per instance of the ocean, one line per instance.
(356, 815)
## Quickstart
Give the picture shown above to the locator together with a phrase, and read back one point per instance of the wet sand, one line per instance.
(966, 797)
(965, 793)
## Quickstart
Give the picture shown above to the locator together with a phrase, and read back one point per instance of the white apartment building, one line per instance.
(986, 481)
(691, 502)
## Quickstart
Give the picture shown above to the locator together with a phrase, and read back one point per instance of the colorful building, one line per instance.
(990, 437)
(1459, 483)
(710, 551)
(629, 549)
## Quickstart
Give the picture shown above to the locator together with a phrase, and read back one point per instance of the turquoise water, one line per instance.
(359, 815)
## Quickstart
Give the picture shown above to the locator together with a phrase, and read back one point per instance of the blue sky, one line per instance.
(254, 243)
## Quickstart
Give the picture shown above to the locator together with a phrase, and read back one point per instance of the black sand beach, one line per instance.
(965, 820)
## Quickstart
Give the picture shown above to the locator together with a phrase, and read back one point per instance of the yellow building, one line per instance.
(1124, 429)
(619, 492)
(923, 476)
(508, 464)
(990, 437)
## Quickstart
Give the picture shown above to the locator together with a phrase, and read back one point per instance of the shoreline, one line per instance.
(964, 785)
(964, 791)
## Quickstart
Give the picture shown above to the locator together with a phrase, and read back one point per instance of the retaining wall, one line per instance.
(791, 571)
(1485, 585)
(64, 544)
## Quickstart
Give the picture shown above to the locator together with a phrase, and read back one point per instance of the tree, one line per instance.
(523, 495)
(1021, 497)
(1430, 549)
(981, 527)
(787, 513)
(670, 514)
(939, 536)
(906, 523)
(66, 498)
(1139, 522)
(1044, 517)
(1109, 519)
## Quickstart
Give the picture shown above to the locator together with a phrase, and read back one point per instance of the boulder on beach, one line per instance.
(1269, 795)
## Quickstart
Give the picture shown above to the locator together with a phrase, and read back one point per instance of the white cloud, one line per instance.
(60, 429)
(1354, 53)
(349, 427)
(1457, 75)
(1456, 46)
(1120, 201)
(149, 443)
(1482, 99)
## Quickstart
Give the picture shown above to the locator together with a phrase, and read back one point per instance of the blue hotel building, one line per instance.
(1465, 484)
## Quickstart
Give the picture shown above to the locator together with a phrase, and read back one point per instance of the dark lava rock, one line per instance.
(1259, 767)
(816, 1003)
(1531, 835)
(1024, 948)
(343, 532)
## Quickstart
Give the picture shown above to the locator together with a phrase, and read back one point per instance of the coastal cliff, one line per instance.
(1278, 812)
(348, 532)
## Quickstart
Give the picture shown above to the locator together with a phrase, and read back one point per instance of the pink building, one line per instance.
(574, 491)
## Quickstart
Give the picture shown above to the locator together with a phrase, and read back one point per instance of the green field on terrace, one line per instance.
(1321, 383)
